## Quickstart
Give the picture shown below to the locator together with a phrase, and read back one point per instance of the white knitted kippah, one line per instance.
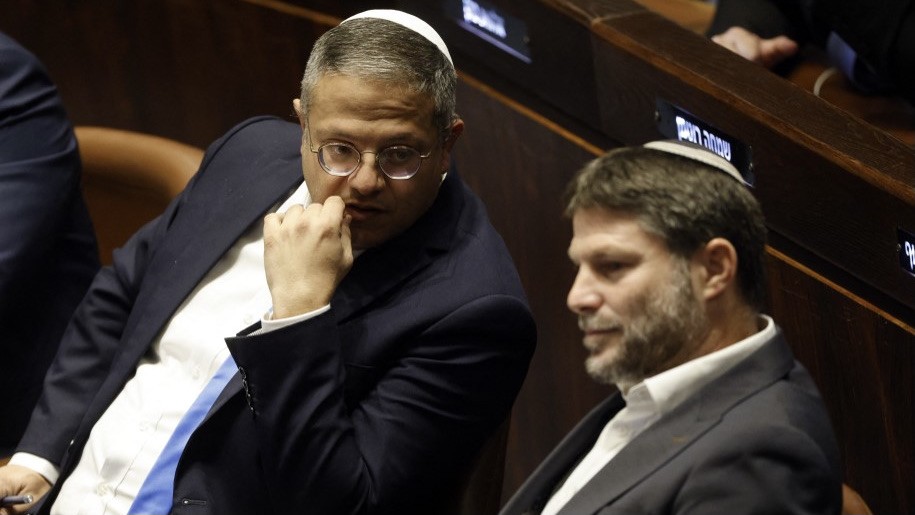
(696, 153)
(409, 21)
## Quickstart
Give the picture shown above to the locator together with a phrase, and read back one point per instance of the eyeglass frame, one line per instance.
(360, 153)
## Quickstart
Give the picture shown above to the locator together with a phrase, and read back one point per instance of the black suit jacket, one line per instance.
(377, 406)
(755, 440)
(48, 253)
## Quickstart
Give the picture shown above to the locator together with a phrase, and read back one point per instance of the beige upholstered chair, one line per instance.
(852, 503)
(129, 178)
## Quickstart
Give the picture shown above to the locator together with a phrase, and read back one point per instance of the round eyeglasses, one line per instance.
(397, 162)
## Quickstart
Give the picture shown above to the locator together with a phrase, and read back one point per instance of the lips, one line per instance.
(597, 325)
(596, 330)
(363, 211)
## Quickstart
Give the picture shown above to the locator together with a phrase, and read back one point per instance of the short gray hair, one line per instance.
(381, 50)
(684, 201)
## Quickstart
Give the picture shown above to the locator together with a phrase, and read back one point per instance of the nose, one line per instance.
(582, 297)
(368, 177)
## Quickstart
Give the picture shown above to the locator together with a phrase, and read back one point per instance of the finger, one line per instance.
(333, 212)
(293, 212)
(346, 238)
(726, 41)
(784, 47)
(272, 224)
(775, 50)
(335, 205)
(740, 41)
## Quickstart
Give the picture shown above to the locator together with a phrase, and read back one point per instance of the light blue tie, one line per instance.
(156, 494)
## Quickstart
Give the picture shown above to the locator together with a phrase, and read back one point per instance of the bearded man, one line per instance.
(713, 413)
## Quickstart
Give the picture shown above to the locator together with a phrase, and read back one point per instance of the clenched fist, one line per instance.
(307, 252)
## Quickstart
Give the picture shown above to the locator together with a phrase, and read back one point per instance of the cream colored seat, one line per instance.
(129, 178)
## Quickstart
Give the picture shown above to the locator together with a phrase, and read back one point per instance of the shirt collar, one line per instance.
(664, 391)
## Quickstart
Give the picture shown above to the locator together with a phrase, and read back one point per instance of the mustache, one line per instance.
(597, 323)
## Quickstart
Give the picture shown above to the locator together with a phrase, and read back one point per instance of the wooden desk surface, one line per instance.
(891, 114)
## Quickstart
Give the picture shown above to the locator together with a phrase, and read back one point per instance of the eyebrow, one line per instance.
(608, 250)
(398, 139)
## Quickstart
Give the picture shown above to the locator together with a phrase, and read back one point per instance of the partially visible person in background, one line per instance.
(48, 253)
(872, 43)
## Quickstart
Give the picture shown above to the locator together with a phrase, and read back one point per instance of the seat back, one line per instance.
(852, 503)
(129, 178)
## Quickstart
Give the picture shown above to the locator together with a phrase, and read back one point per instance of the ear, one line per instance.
(457, 127)
(717, 261)
(297, 106)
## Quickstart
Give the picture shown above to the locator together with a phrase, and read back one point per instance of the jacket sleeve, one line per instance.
(39, 167)
(415, 430)
(763, 469)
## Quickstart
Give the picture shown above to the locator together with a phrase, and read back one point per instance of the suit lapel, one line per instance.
(207, 227)
(640, 458)
(539, 487)
(679, 429)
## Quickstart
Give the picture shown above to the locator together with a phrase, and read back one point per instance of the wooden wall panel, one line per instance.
(184, 69)
(519, 163)
(863, 361)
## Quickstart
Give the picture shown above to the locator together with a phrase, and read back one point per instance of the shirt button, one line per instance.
(195, 373)
(145, 426)
(103, 490)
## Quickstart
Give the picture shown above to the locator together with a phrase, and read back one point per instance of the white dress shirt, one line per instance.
(126, 441)
(648, 401)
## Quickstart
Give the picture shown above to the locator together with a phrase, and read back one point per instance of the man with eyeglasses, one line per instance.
(396, 332)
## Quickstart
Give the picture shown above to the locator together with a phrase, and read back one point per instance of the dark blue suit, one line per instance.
(375, 406)
(48, 253)
(755, 440)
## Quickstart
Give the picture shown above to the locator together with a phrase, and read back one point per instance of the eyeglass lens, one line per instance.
(396, 162)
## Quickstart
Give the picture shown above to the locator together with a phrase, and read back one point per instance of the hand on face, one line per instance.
(767, 52)
(16, 480)
(307, 252)
(370, 116)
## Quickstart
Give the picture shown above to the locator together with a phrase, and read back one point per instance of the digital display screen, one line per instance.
(906, 251)
(486, 22)
(679, 124)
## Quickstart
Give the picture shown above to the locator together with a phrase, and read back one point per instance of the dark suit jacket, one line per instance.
(48, 253)
(756, 440)
(377, 406)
